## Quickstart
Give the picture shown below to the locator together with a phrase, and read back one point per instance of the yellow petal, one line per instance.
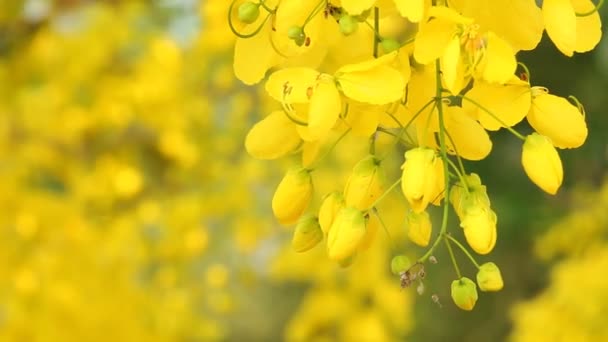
(355, 7)
(449, 65)
(479, 224)
(324, 110)
(380, 85)
(560, 23)
(292, 85)
(365, 184)
(519, 22)
(471, 141)
(418, 177)
(558, 119)
(329, 209)
(432, 39)
(307, 234)
(499, 62)
(542, 163)
(273, 137)
(588, 28)
(254, 56)
(413, 10)
(509, 103)
(363, 118)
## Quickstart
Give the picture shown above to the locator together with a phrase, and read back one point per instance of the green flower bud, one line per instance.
(464, 293)
(389, 45)
(249, 12)
(296, 33)
(307, 234)
(489, 277)
(348, 25)
(400, 263)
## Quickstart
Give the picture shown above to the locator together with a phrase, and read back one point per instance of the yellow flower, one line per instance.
(413, 10)
(558, 119)
(464, 51)
(365, 184)
(569, 32)
(489, 277)
(345, 234)
(479, 225)
(292, 196)
(419, 177)
(273, 137)
(542, 163)
(307, 234)
(464, 293)
(419, 227)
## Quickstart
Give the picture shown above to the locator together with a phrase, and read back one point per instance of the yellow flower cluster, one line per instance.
(430, 79)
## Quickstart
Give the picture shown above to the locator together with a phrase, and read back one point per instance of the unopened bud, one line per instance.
(348, 25)
(464, 293)
(345, 234)
(249, 12)
(307, 234)
(542, 163)
(400, 263)
(365, 184)
(489, 277)
(419, 227)
(389, 45)
(296, 33)
(292, 196)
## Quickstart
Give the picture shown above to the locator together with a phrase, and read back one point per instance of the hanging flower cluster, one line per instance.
(432, 77)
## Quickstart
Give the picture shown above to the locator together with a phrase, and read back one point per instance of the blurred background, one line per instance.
(129, 210)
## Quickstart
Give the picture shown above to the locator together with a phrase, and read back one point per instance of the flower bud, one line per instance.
(476, 196)
(273, 137)
(558, 119)
(296, 33)
(292, 196)
(464, 293)
(307, 234)
(542, 163)
(348, 25)
(364, 186)
(418, 227)
(389, 45)
(400, 263)
(329, 209)
(489, 277)
(345, 234)
(371, 228)
(479, 224)
(249, 12)
(419, 177)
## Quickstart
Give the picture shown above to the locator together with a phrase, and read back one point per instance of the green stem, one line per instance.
(595, 9)
(464, 172)
(384, 194)
(376, 30)
(385, 229)
(404, 128)
(242, 35)
(494, 116)
(331, 148)
(452, 257)
(444, 156)
(459, 175)
(464, 250)
(263, 3)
